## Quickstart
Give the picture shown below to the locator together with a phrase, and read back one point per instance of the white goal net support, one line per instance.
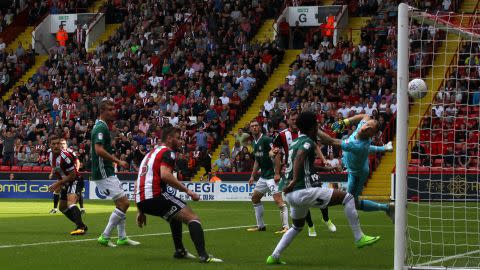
(437, 187)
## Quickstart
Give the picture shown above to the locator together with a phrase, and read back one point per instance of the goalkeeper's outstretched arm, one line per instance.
(325, 139)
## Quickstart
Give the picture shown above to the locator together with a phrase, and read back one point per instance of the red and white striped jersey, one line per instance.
(149, 182)
(284, 139)
(62, 164)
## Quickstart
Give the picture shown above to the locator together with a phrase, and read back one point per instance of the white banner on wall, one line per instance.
(67, 20)
(305, 15)
(226, 191)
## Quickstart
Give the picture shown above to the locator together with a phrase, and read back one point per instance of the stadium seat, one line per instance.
(414, 162)
(16, 169)
(47, 169)
(27, 168)
(5, 168)
(37, 169)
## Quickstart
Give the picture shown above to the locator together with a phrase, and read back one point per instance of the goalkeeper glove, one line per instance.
(339, 126)
(388, 147)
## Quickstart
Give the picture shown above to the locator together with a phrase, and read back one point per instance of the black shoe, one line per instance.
(183, 254)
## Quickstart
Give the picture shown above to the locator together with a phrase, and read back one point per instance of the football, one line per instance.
(417, 88)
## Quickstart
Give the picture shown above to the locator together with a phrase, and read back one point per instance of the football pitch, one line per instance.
(30, 238)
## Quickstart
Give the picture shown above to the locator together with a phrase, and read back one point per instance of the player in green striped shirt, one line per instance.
(262, 147)
(104, 176)
(300, 194)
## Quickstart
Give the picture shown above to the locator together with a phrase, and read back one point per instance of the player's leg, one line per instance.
(355, 187)
(80, 203)
(187, 216)
(74, 193)
(298, 213)
(74, 211)
(311, 227)
(326, 219)
(111, 186)
(180, 251)
(56, 199)
(166, 209)
(334, 197)
(260, 189)
(277, 197)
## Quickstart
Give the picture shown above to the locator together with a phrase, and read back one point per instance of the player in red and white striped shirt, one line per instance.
(70, 183)
(283, 141)
(152, 197)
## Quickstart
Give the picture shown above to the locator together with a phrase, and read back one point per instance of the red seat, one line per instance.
(5, 168)
(47, 169)
(16, 168)
(437, 162)
(414, 162)
(37, 168)
(27, 168)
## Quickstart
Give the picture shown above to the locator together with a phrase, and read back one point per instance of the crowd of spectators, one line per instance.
(449, 135)
(199, 85)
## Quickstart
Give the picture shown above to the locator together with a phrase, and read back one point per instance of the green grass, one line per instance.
(27, 222)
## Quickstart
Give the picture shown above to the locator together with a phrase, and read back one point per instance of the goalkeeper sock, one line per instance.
(284, 215)
(370, 206)
(352, 216)
(286, 240)
(196, 233)
(56, 198)
(259, 214)
(308, 218)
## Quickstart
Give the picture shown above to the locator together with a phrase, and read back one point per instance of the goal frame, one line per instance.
(405, 13)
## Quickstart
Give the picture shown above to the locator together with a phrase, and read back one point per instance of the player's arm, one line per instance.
(168, 177)
(384, 148)
(318, 152)
(50, 176)
(70, 177)
(254, 172)
(340, 125)
(101, 152)
(277, 163)
(325, 139)
(297, 166)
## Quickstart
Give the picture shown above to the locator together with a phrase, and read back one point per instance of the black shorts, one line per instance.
(165, 206)
(75, 187)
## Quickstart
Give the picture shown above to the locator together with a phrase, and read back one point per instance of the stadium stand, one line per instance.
(200, 81)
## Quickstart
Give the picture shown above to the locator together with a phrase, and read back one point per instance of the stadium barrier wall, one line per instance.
(234, 186)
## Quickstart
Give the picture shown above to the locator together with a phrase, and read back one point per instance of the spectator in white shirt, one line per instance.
(437, 110)
(344, 110)
(369, 109)
(154, 79)
(269, 103)
(224, 98)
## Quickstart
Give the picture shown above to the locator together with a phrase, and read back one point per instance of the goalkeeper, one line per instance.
(356, 149)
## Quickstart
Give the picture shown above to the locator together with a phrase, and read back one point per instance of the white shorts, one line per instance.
(301, 200)
(110, 187)
(265, 186)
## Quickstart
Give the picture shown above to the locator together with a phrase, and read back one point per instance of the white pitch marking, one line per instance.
(94, 239)
(450, 258)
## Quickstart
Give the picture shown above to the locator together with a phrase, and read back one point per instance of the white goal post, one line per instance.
(437, 193)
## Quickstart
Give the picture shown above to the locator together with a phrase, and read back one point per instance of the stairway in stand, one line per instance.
(277, 78)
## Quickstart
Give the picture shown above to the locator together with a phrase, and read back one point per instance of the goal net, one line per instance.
(437, 176)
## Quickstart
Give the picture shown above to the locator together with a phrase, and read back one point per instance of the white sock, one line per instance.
(259, 214)
(285, 241)
(352, 216)
(284, 216)
(115, 218)
(122, 233)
